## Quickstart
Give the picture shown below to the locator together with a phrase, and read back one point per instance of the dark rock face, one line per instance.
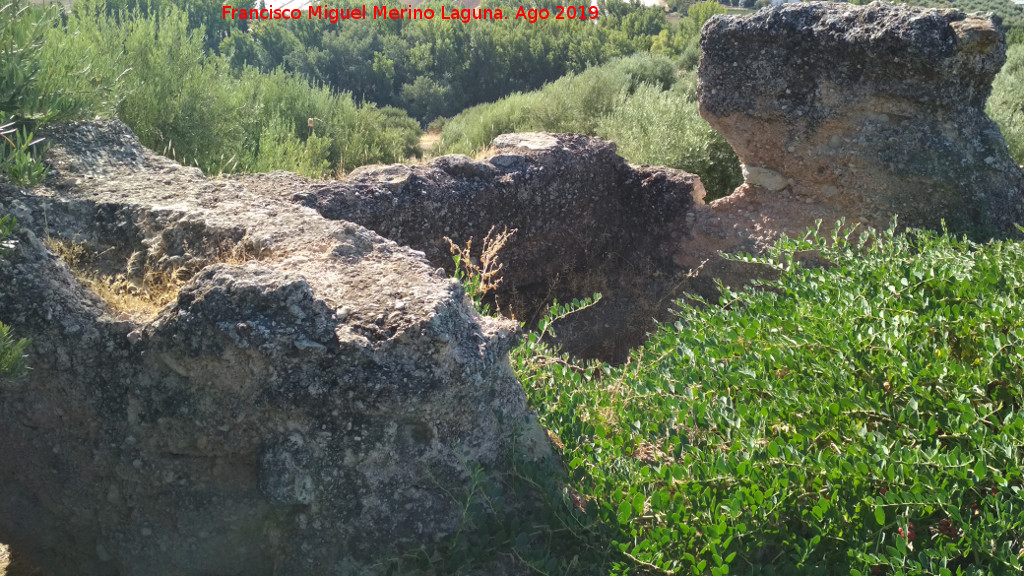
(316, 410)
(865, 112)
(587, 222)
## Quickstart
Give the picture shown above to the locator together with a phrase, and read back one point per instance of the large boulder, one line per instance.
(863, 112)
(315, 400)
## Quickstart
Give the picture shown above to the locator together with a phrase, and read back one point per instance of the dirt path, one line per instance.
(428, 141)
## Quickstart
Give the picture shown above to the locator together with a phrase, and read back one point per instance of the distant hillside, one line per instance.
(1011, 11)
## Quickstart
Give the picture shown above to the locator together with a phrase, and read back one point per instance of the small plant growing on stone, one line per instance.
(16, 155)
(483, 276)
(480, 276)
(11, 353)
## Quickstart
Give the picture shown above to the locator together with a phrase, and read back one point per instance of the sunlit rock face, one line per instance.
(865, 112)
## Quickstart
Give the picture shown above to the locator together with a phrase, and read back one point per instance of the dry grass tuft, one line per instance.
(141, 291)
(5, 559)
(485, 152)
(240, 253)
(484, 274)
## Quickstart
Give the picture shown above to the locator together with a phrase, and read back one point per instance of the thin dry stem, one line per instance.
(487, 269)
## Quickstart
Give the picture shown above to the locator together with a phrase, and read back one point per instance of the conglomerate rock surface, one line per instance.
(862, 112)
(587, 222)
(318, 405)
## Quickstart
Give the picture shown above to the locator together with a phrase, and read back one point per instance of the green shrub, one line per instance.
(84, 62)
(381, 136)
(177, 97)
(11, 350)
(19, 155)
(663, 128)
(573, 103)
(21, 34)
(23, 29)
(280, 149)
(151, 70)
(637, 102)
(1006, 105)
(22, 102)
(683, 41)
(860, 419)
(11, 353)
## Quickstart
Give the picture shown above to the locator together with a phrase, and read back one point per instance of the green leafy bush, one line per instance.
(11, 350)
(21, 33)
(11, 353)
(19, 153)
(1006, 105)
(683, 40)
(22, 29)
(279, 147)
(863, 418)
(151, 70)
(637, 102)
(663, 128)
(573, 103)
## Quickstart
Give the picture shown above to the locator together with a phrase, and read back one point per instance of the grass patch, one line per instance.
(864, 418)
(1006, 105)
(138, 294)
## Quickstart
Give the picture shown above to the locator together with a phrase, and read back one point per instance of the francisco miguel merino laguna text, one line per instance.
(409, 13)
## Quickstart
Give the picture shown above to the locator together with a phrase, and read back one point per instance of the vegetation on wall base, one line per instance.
(861, 418)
